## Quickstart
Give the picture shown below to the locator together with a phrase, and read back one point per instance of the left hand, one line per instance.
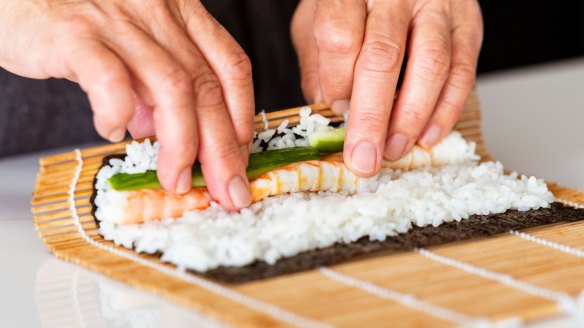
(191, 81)
(351, 53)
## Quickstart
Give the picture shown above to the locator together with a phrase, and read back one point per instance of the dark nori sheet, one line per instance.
(476, 226)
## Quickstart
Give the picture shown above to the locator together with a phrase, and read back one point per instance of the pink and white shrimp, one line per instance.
(329, 174)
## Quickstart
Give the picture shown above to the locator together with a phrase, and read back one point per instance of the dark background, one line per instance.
(520, 33)
(37, 115)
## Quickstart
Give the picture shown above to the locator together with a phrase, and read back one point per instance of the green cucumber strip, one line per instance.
(330, 141)
(259, 163)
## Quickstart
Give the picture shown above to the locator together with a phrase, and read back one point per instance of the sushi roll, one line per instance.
(305, 199)
(134, 198)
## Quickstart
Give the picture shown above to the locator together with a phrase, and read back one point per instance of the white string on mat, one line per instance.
(265, 119)
(566, 302)
(548, 243)
(562, 248)
(272, 310)
(407, 300)
(570, 203)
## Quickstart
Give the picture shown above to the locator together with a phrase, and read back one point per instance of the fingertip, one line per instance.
(107, 83)
(340, 106)
(141, 125)
(395, 146)
(173, 177)
(117, 135)
(431, 136)
(184, 181)
(238, 189)
(226, 177)
(363, 160)
(310, 84)
(107, 130)
(409, 147)
(165, 176)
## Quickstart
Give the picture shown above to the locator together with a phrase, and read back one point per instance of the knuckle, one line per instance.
(433, 63)
(77, 24)
(186, 148)
(463, 76)
(371, 121)
(380, 56)
(111, 76)
(208, 89)
(176, 83)
(183, 153)
(413, 115)
(240, 67)
(452, 107)
(228, 151)
(338, 40)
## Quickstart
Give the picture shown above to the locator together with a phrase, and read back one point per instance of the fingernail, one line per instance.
(431, 136)
(183, 184)
(395, 146)
(239, 192)
(117, 135)
(364, 157)
(340, 106)
(245, 154)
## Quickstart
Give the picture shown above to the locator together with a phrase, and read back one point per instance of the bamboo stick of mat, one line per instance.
(356, 293)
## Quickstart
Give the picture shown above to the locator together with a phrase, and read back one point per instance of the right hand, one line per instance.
(163, 67)
(351, 54)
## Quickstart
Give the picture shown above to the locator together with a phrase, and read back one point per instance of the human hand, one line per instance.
(350, 55)
(156, 66)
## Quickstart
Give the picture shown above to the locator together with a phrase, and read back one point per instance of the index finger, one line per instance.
(376, 74)
(107, 82)
(338, 29)
(174, 113)
(233, 68)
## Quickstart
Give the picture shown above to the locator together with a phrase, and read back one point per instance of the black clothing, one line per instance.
(41, 114)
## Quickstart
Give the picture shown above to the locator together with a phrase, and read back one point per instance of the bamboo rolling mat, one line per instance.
(520, 276)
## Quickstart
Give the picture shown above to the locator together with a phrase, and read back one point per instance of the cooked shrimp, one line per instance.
(139, 206)
(323, 175)
(329, 174)
(453, 149)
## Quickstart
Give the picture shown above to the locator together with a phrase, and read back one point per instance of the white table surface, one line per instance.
(533, 121)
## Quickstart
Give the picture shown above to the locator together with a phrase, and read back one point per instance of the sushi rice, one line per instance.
(393, 202)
